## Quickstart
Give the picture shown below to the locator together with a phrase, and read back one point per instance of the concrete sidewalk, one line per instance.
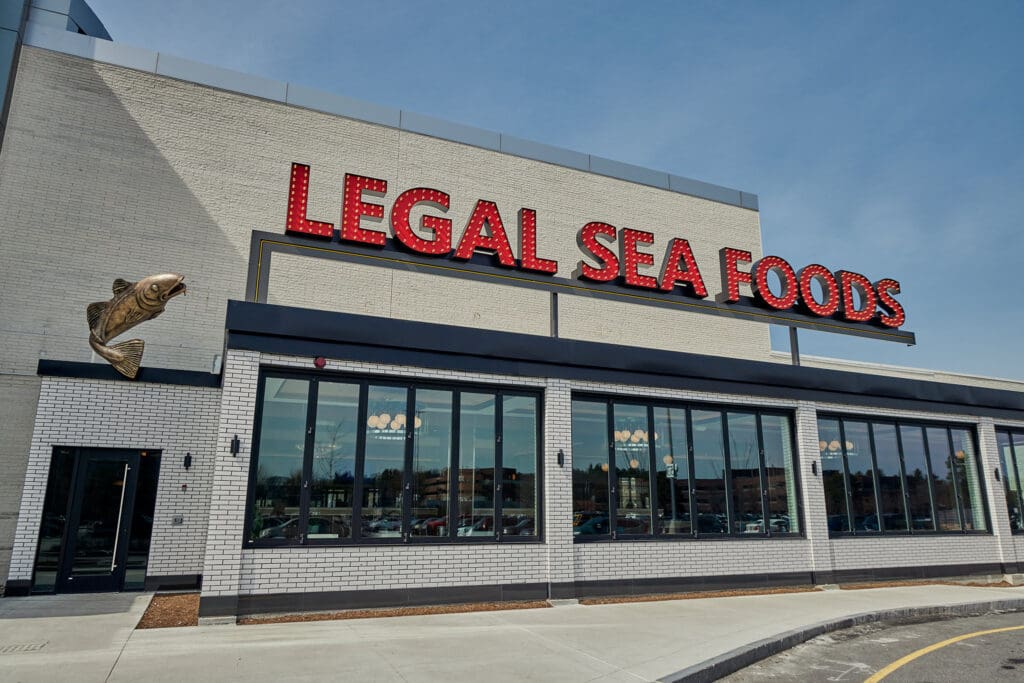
(626, 642)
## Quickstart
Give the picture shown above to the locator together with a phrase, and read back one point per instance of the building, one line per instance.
(420, 362)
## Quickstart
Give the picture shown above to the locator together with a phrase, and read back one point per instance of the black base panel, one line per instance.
(174, 582)
(246, 605)
(938, 571)
(343, 600)
(17, 589)
(688, 584)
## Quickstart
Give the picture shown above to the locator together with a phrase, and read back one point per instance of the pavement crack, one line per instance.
(118, 658)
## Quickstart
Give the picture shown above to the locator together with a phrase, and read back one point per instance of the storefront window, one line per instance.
(385, 462)
(590, 488)
(779, 464)
(890, 477)
(279, 475)
(431, 460)
(673, 473)
(332, 483)
(478, 429)
(519, 465)
(1011, 465)
(632, 469)
(743, 485)
(709, 469)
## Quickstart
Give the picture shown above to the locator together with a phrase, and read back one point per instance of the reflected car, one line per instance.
(710, 524)
(484, 526)
(599, 525)
(332, 527)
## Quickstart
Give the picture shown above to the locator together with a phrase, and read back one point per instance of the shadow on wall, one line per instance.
(87, 195)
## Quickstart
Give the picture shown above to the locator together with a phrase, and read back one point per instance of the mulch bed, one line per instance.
(175, 609)
(395, 612)
(182, 609)
(613, 600)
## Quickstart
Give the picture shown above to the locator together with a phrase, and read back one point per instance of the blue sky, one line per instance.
(881, 137)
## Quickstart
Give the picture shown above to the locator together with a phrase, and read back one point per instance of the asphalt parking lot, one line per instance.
(991, 648)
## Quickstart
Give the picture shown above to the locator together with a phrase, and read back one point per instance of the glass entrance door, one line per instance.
(99, 522)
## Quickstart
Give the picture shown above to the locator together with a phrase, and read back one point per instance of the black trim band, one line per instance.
(304, 332)
(937, 571)
(102, 371)
(220, 606)
(172, 582)
(17, 588)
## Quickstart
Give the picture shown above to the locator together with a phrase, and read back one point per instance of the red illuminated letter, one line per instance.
(441, 227)
(590, 246)
(847, 282)
(688, 275)
(897, 316)
(485, 213)
(632, 259)
(790, 286)
(354, 208)
(731, 276)
(298, 195)
(830, 305)
(528, 244)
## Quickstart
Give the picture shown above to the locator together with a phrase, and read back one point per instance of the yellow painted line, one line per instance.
(932, 648)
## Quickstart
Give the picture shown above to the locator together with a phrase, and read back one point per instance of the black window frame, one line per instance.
(689, 406)
(898, 424)
(1016, 471)
(365, 380)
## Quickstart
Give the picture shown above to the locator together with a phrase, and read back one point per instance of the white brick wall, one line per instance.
(173, 419)
(230, 570)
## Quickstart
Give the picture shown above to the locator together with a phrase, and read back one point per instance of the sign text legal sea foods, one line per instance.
(679, 273)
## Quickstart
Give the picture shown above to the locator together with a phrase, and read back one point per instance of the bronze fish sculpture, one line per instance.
(133, 303)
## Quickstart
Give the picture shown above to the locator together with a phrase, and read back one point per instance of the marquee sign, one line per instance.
(614, 262)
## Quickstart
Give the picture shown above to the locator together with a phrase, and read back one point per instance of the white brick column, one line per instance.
(223, 559)
(813, 492)
(988, 457)
(558, 487)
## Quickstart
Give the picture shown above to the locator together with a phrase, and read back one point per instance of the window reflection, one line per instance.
(1011, 462)
(857, 448)
(781, 479)
(925, 477)
(745, 460)
(477, 452)
(384, 462)
(890, 481)
(833, 474)
(673, 471)
(519, 465)
(334, 461)
(282, 442)
(632, 469)
(590, 468)
(709, 472)
(697, 489)
(431, 461)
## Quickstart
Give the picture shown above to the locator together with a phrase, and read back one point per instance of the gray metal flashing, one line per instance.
(50, 38)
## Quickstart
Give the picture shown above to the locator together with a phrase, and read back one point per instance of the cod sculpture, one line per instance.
(133, 303)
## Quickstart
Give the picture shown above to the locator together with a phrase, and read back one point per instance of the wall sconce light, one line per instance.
(188, 460)
(814, 467)
(997, 474)
(561, 458)
(236, 445)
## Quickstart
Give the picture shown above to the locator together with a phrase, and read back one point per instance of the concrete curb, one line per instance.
(734, 660)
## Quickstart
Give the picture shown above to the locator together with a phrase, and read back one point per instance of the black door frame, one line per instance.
(114, 581)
